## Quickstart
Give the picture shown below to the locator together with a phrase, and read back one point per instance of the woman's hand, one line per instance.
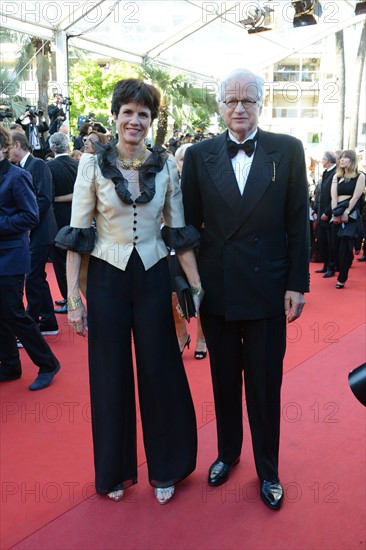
(336, 220)
(78, 320)
(344, 218)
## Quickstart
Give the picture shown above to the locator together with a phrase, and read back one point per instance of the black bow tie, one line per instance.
(248, 147)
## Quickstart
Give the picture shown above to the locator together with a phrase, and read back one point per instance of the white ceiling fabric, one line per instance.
(201, 37)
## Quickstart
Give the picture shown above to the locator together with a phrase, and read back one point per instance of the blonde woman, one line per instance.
(347, 188)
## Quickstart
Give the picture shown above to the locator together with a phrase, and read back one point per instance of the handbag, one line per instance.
(351, 230)
(340, 208)
(185, 297)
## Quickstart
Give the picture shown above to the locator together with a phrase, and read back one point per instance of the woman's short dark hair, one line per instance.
(136, 90)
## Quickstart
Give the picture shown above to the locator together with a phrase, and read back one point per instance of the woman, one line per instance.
(92, 138)
(184, 338)
(347, 187)
(127, 189)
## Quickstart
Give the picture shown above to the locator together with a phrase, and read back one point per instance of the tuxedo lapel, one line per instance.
(28, 162)
(220, 170)
(262, 174)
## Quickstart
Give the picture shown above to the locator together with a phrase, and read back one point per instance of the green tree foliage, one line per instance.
(91, 88)
(189, 105)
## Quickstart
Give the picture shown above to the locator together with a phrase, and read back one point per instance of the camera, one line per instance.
(33, 111)
(5, 112)
(66, 101)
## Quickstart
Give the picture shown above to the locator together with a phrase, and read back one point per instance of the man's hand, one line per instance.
(294, 304)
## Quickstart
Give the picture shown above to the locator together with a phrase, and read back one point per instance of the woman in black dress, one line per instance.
(347, 187)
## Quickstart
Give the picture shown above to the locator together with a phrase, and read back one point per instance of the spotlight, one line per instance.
(256, 17)
(360, 8)
(304, 10)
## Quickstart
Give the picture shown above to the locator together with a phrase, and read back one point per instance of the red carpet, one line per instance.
(48, 497)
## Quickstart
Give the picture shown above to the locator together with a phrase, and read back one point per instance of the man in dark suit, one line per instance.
(18, 215)
(251, 205)
(64, 171)
(40, 304)
(324, 214)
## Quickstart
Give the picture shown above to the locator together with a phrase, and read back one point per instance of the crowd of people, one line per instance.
(339, 214)
(119, 221)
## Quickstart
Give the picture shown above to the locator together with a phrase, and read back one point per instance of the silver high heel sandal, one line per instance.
(164, 494)
(116, 494)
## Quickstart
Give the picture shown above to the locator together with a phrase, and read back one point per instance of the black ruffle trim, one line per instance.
(77, 240)
(107, 160)
(181, 238)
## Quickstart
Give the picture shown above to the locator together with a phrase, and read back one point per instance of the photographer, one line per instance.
(57, 113)
(35, 126)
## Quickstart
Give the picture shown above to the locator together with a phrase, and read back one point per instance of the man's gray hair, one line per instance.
(330, 156)
(59, 143)
(256, 83)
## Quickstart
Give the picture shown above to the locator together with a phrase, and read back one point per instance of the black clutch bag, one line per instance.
(340, 208)
(185, 297)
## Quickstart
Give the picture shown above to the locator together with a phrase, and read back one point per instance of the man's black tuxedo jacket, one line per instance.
(64, 170)
(325, 201)
(254, 246)
(46, 230)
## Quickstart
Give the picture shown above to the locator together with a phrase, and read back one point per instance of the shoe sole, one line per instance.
(274, 508)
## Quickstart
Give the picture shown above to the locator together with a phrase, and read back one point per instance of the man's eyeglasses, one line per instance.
(246, 103)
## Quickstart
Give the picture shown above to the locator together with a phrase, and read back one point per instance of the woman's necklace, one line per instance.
(127, 163)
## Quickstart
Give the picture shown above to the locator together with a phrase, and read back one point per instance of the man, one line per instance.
(251, 206)
(40, 305)
(18, 215)
(56, 113)
(35, 127)
(64, 171)
(324, 214)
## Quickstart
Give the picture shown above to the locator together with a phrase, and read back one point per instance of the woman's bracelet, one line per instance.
(74, 302)
(197, 291)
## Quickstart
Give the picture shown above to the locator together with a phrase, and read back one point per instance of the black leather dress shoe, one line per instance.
(322, 270)
(272, 494)
(362, 259)
(60, 302)
(219, 472)
(44, 379)
(61, 309)
(328, 274)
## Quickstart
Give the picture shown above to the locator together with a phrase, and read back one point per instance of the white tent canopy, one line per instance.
(201, 37)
